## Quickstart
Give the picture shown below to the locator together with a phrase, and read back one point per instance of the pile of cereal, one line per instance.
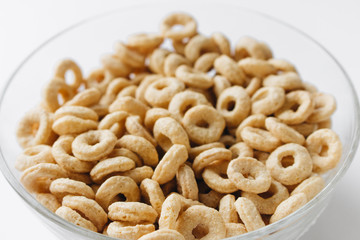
(192, 141)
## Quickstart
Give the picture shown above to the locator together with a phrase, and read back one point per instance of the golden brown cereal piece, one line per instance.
(77, 111)
(311, 187)
(160, 92)
(305, 128)
(286, 80)
(208, 157)
(186, 182)
(115, 66)
(86, 98)
(249, 214)
(129, 105)
(252, 85)
(81, 177)
(267, 202)
(113, 89)
(163, 234)
(134, 212)
(250, 47)
(188, 23)
(256, 67)
(141, 147)
(324, 124)
(54, 91)
(267, 100)
(134, 127)
(259, 139)
(303, 104)
(48, 200)
(288, 206)
(145, 83)
(167, 132)
(199, 45)
(72, 216)
(99, 79)
(254, 120)
(203, 124)
(123, 152)
(325, 149)
(128, 56)
(172, 62)
(206, 61)
(208, 94)
(193, 78)
(115, 122)
(37, 179)
(282, 65)
(249, 175)
(222, 43)
(209, 218)
(100, 110)
(234, 229)
(144, 42)
(89, 208)
(283, 132)
(139, 174)
(241, 149)
(170, 163)
(211, 199)
(34, 155)
(195, 151)
(227, 140)
(119, 230)
(153, 114)
(325, 106)
(234, 104)
(129, 91)
(69, 65)
(298, 168)
(152, 194)
(65, 186)
(108, 166)
(157, 59)
(227, 209)
(215, 176)
(220, 84)
(227, 67)
(93, 145)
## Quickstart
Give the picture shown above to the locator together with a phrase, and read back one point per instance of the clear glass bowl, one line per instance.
(85, 42)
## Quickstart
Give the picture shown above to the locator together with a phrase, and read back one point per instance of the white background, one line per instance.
(336, 24)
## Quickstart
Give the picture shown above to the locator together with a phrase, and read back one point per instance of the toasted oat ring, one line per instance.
(295, 173)
(117, 185)
(88, 207)
(154, 114)
(123, 152)
(135, 212)
(227, 67)
(222, 43)
(206, 61)
(252, 85)
(210, 156)
(259, 139)
(227, 209)
(283, 132)
(254, 120)
(211, 199)
(305, 108)
(99, 79)
(128, 91)
(282, 65)
(249, 214)
(195, 151)
(34, 155)
(55, 88)
(235, 229)
(286, 80)
(200, 215)
(325, 149)
(72, 216)
(249, 175)
(188, 23)
(119, 230)
(65, 186)
(115, 66)
(141, 147)
(250, 47)
(241, 149)
(49, 201)
(198, 45)
(37, 179)
(113, 89)
(148, 80)
(193, 78)
(220, 84)
(186, 182)
(69, 65)
(152, 193)
(139, 174)
(256, 67)
(267, 202)
(128, 56)
(172, 62)
(234, 104)
(167, 132)
(129, 105)
(62, 153)
(213, 176)
(179, 45)
(325, 106)
(163, 234)
(115, 122)
(170, 163)
(157, 59)
(134, 127)
(93, 145)
(305, 128)
(288, 206)
(86, 98)
(203, 124)
(144, 42)
(310, 187)
(160, 92)
(267, 100)
(109, 166)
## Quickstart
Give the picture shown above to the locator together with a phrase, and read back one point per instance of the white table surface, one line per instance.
(26, 24)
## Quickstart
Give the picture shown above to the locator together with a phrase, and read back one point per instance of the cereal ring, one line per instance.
(168, 132)
(134, 212)
(115, 66)
(234, 229)
(134, 127)
(114, 186)
(129, 105)
(193, 78)
(249, 175)
(249, 214)
(100, 110)
(252, 85)
(197, 46)
(163, 234)
(129, 91)
(81, 177)
(283, 132)
(139, 174)
(160, 92)
(325, 106)
(227, 67)
(152, 194)
(123, 152)
(37, 179)
(65, 186)
(32, 156)
(215, 176)
(186, 182)
(288, 206)
(227, 209)
(282, 65)
(118, 230)
(115, 122)
(310, 187)
(234, 104)
(211, 199)
(203, 124)
(172, 62)
(250, 47)
(301, 166)
(148, 80)
(256, 67)
(267, 202)
(89, 208)
(144, 42)
(227, 140)
(113, 89)
(86, 98)
(153, 114)
(210, 156)
(267, 100)
(69, 65)
(222, 43)
(287, 81)
(128, 56)
(56, 93)
(110, 166)
(241, 149)
(305, 128)
(220, 84)
(325, 149)
(157, 59)
(255, 120)
(259, 139)
(208, 218)
(49, 201)
(188, 23)
(72, 216)
(195, 151)
(206, 61)
(99, 79)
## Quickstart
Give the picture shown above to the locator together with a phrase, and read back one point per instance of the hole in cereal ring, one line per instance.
(93, 141)
(295, 107)
(267, 194)
(200, 231)
(230, 105)
(202, 123)
(177, 27)
(185, 108)
(324, 151)
(224, 175)
(35, 128)
(165, 141)
(69, 77)
(161, 86)
(287, 161)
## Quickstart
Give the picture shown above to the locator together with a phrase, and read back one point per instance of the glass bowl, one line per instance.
(87, 41)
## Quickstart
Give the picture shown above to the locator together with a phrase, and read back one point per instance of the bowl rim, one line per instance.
(277, 226)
